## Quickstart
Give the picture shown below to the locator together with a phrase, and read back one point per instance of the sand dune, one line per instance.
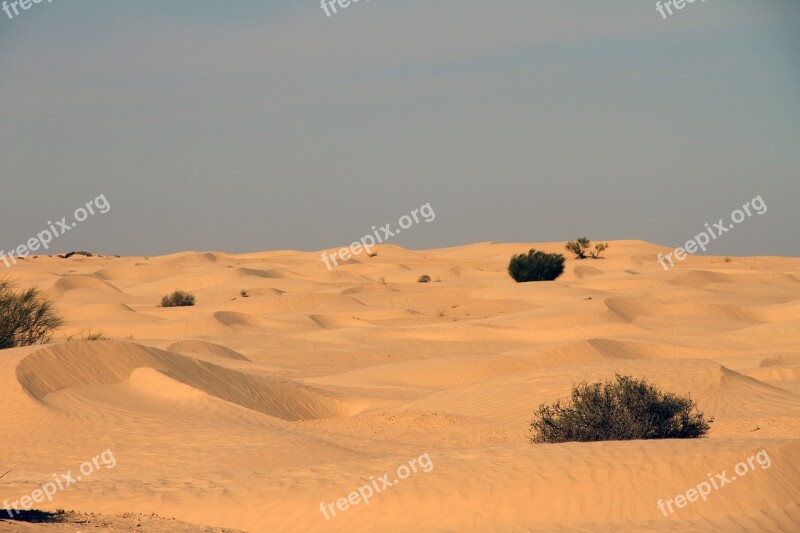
(247, 412)
(81, 364)
(205, 348)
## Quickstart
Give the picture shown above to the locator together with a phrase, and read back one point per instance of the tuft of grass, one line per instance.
(624, 409)
(88, 336)
(424, 279)
(178, 299)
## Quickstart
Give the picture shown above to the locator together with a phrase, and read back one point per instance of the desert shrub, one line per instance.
(599, 248)
(244, 294)
(625, 409)
(26, 317)
(70, 254)
(580, 247)
(177, 299)
(424, 279)
(536, 266)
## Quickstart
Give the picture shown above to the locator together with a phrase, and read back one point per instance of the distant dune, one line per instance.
(247, 412)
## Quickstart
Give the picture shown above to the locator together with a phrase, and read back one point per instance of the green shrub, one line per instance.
(626, 409)
(178, 299)
(536, 266)
(26, 317)
(580, 247)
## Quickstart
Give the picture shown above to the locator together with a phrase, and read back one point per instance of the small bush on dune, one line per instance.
(70, 254)
(599, 248)
(424, 279)
(178, 299)
(625, 409)
(580, 247)
(26, 317)
(536, 266)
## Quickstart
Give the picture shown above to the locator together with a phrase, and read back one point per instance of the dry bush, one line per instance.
(178, 299)
(26, 317)
(625, 409)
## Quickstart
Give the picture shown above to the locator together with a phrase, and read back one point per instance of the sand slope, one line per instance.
(248, 412)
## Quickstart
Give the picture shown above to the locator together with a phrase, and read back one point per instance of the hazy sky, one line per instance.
(256, 125)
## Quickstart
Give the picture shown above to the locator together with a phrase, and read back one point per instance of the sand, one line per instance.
(247, 413)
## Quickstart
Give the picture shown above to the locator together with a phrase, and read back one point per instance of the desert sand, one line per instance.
(248, 412)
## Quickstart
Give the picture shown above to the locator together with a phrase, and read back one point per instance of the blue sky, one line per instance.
(256, 125)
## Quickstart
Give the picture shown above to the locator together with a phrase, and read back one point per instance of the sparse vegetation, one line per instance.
(70, 254)
(178, 299)
(536, 266)
(424, 279)
(244, 294)
(625, 409)
(599, 248)
(580, 247)
(88, 336)
(26, 317)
